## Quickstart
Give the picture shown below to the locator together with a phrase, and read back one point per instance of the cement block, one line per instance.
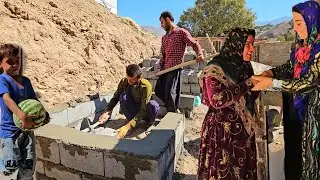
(202, 65)
(59, 118)
(146, 63)
(193, 79)
(195, 88)
(195, 67)
(39, 166)
(186, 101)
(117, 166)
(82, 159)
(185, 88)
(179, 132)
(188, 57)
(154, 62)
(113, 167)
(47, 149)
(60, 172)
(185, 79)
(147, 72)
(80, 111)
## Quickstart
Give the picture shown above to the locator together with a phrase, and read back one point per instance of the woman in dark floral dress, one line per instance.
(228, 149)
(303, 70)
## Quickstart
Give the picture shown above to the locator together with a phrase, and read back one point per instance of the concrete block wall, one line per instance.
(273, 54)
(65, 116)
(190, 82)
(189, 79)
(261, 139)
(72, 154)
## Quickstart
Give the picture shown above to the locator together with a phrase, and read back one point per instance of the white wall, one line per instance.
(109, 4)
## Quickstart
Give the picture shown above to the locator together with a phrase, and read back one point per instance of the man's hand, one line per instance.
(200, 58)
(27, 122)
(104, 117)
(122, 132)
(263, 84)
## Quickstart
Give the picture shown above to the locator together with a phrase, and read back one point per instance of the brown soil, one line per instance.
(73, 48)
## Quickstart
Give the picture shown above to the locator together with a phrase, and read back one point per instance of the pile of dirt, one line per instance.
(73, 48)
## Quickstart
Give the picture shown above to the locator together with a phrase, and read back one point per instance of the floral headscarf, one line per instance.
(304, 52)
(231, 60)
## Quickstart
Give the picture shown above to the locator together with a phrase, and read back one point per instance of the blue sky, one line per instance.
(146, 12)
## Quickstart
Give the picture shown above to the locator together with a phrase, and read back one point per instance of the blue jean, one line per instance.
(18, 154)
(131, 108)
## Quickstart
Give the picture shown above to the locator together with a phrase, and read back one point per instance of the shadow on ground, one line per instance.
(178, 176)
(192, 147)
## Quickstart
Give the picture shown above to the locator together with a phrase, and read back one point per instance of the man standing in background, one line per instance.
(174, 43)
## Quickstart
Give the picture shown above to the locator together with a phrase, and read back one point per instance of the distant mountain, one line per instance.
(266, 29)
(275, 21)
(269, 31)
(158, 31)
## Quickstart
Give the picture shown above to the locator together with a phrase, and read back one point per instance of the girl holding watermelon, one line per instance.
(17, 146)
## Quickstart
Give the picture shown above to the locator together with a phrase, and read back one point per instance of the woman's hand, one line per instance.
(262, 84)
(267, 73)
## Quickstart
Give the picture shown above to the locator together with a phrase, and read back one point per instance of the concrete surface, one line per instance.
(276, 155)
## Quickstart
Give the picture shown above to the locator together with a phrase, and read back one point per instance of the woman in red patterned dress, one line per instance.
(228, 149)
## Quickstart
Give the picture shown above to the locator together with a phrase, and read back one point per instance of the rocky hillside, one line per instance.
(158, 31)
(274, 21)
(273, 31)
(73, 48)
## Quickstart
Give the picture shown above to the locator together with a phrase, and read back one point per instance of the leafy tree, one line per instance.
(281, 38)
(290, 36)
(216, 16)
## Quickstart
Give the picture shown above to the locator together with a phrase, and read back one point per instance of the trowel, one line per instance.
(105, 131)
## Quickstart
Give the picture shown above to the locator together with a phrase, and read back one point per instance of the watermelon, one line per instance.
(32, 107)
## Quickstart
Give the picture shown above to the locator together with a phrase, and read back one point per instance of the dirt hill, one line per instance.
(73, 48)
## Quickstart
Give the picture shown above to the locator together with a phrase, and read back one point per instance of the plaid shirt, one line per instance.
(174, 45)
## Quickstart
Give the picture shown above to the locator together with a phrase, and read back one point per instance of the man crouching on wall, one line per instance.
(134, 94)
